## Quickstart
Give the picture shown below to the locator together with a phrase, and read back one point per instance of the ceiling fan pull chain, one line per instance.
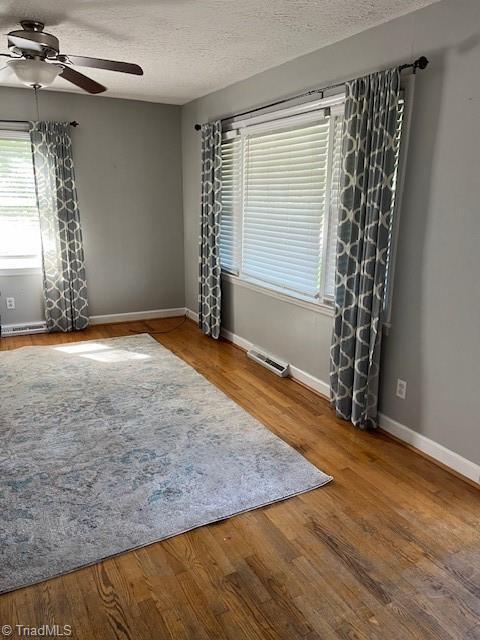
(37, 112)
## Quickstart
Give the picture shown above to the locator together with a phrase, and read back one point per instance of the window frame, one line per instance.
(19, 131)
(308, 112)
(334, 105)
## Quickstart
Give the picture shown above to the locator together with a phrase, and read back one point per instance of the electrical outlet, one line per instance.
(10, 303)
(401, 388)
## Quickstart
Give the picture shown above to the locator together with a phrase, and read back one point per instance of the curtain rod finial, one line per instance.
(421, 63)
(197, 127)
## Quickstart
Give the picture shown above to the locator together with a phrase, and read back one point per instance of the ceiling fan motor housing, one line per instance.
(39, 43)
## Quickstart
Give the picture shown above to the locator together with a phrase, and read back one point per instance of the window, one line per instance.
(280, 187)
(20, 245)
(280, 197)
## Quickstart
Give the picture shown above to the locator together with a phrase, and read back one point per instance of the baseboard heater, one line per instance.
(23, 329)
(269, 362)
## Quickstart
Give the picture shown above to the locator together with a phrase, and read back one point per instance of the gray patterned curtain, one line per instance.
(209, 295)
(366, 197)
(64, 284)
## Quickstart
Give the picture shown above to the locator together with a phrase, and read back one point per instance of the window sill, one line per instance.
(318, 307)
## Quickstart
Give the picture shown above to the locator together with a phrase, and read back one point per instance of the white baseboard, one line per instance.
(137, 315)
(310, 381)
(433, 449)
(237, 340)
(40, 327)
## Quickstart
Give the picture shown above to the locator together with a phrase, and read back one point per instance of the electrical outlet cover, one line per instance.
(401, 388)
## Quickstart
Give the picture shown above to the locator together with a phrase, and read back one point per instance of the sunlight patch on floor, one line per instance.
(115, 355)
(82, 348)
(101, 353)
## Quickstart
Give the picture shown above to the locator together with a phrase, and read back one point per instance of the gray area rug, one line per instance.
(111, 445)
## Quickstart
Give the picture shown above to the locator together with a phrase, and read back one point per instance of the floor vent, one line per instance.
(269, 362)
(23, 329)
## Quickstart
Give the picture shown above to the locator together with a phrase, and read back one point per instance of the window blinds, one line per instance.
(19, 223)
(329, 264)
(285, 186)
(231, 205)
(279, 217)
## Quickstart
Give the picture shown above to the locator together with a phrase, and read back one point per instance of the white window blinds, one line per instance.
(230, 220)
(19, 223)
(284, 202)
(331, 227)
(280, 203)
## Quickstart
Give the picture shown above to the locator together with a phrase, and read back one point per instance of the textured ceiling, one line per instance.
(189, 48)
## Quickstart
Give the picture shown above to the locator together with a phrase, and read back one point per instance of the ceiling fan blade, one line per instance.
(98, 63)
(78, 79)
(24, 42)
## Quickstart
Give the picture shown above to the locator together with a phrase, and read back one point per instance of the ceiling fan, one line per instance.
(36, 60)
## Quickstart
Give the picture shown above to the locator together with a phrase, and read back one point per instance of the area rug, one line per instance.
(111, 445)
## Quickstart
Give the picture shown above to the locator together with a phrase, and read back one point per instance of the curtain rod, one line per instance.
(420, 63)
(74, 123)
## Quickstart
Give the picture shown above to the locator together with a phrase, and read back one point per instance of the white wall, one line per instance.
(434, 342)
(128, 169)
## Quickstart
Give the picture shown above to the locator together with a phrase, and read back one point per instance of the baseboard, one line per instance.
(433, 450)
(307, 380)
(137, 315)
(236, 340)
(41, 327)
(437, 452)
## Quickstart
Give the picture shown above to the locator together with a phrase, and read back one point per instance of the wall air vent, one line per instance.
(23, 329)
(269, 362)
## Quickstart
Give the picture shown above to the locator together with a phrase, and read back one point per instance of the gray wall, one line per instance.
(434, 342)
(128, 169)
(27, 291)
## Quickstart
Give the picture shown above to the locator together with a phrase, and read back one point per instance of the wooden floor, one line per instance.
(390, 549)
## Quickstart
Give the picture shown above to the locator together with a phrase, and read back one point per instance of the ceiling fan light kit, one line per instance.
(35, 73)
(36, 60)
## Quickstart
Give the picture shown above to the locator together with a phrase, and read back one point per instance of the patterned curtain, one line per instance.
(64, 284)
(209, 295)
(369, 169)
